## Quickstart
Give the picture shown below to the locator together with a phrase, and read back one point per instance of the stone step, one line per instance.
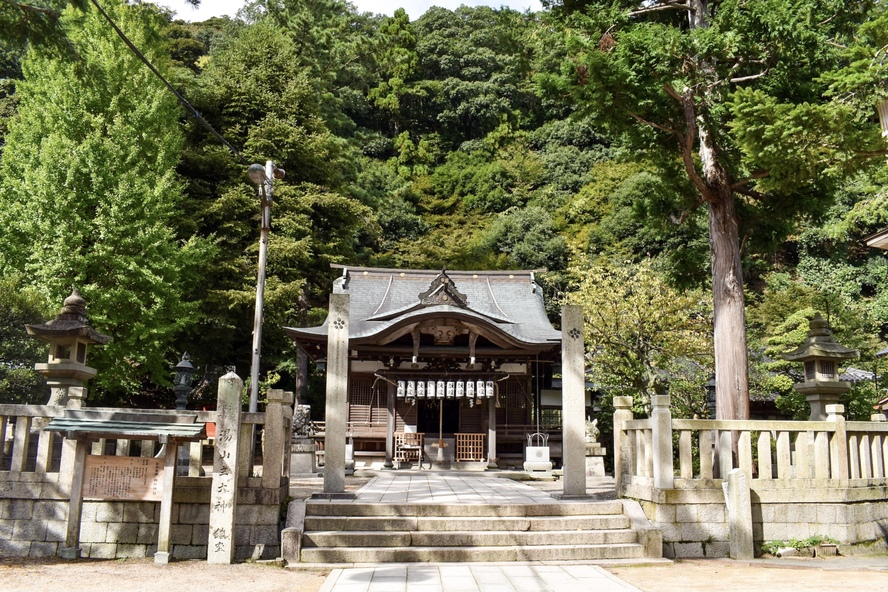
(500, 523)
(470, 554)
(326, 508)
(467, 538)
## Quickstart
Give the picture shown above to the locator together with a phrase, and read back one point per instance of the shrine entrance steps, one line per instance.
(380, 533)
(453, 518)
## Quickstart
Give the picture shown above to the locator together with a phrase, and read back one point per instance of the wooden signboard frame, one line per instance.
(86, 426)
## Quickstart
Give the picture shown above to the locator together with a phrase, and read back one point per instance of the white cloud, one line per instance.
(414, 8)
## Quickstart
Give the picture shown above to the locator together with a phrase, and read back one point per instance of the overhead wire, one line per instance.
(179, 96)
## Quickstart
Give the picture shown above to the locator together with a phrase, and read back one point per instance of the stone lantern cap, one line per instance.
(820, 344)
(70, 322)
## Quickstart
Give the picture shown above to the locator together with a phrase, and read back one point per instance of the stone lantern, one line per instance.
(69, 336)
(182, 381)
(821, 356)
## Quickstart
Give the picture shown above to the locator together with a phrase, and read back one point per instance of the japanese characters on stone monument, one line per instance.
(223, 496)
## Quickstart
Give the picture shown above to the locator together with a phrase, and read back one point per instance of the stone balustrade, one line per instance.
(806, 477)
(35, 485)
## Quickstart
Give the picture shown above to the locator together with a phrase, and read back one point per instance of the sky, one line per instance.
(414, 8)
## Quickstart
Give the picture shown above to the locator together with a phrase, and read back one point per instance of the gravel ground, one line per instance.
(142, 575)
(813, 575)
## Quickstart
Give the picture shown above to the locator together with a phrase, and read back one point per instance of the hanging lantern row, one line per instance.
(449, 389)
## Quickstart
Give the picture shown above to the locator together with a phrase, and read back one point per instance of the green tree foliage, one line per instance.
(398, 63)
(21, 304)
(739, 89)
(257, 88)
(525, 238)
(89, 193)
(475, 69)
(492, 175)
(37, 22)
(643, 337)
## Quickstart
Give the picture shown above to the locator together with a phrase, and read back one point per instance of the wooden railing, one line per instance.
(833, 451)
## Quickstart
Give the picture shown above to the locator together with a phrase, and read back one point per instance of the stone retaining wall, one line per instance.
(694, 522)
(115, 529)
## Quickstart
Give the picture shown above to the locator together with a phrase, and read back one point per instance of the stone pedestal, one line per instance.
(594, 459)
(818, 403)
(349, 459)
(302, 457)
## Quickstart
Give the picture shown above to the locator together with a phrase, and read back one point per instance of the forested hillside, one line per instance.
(624, 147)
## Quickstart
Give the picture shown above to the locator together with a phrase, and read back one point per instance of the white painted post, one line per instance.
(337, 394)
(661, 423)
(223, 495)
(573, 399)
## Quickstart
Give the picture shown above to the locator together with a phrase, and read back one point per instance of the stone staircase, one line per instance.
(566, 531)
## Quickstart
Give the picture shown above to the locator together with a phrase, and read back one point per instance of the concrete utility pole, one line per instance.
(264, 178)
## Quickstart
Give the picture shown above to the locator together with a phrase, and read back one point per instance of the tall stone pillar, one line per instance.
(573, 400)
(223, 495)
(337, 395)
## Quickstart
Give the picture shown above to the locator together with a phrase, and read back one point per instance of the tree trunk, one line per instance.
(729, 316)
(728, 301)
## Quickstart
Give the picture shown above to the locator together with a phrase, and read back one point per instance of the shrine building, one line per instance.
(457, 363)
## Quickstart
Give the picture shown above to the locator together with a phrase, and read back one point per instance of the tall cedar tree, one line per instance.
(733, 91)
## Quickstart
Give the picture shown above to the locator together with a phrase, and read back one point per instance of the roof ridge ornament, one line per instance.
(442, 291)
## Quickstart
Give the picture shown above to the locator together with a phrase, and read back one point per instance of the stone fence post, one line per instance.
(276, 446)
(838, 445)
(622, 412)
(661, 428)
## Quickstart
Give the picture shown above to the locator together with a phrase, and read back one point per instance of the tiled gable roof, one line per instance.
(508, 301)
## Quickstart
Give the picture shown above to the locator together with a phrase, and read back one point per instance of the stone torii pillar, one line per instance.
(573, 401)
(337, 395)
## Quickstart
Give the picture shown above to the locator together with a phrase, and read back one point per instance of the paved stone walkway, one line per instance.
(438, 488)
(475, 578)
(449, 488)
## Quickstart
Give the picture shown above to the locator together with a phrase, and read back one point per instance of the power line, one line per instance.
(182, 99)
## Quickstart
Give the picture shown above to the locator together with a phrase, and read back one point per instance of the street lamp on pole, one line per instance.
(263, 177)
